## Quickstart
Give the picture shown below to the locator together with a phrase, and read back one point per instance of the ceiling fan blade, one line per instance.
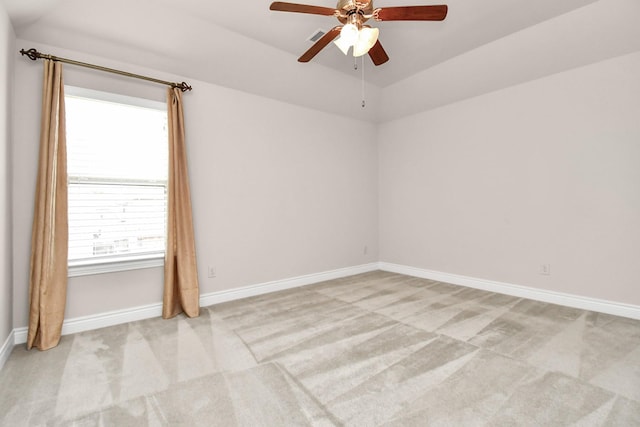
(377, 54)
(412, 13)
(320, 44)
(301, 8)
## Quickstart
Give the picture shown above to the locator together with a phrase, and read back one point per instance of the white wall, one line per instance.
(547, 172)
(7, 53)
(278, 191)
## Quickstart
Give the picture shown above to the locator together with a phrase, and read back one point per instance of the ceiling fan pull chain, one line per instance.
(363, 103)
(355, 63)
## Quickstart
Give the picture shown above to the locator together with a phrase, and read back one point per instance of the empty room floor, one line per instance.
(367, 350)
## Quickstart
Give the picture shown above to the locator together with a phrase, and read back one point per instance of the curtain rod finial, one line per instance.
(31, 53)
(182, 86)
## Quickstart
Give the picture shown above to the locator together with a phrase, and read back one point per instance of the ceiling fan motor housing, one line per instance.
(363, 9)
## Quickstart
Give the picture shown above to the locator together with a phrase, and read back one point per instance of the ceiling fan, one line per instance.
(353, 14)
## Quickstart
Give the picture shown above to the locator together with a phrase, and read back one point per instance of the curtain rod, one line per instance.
(34, 54)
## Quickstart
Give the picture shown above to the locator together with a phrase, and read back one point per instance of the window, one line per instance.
(117, 156)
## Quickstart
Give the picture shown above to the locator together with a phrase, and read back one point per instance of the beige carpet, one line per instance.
(368, 350)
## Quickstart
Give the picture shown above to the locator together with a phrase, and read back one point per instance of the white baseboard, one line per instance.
(101, 320)
(280, 285)
(576, 301)
(6, 348)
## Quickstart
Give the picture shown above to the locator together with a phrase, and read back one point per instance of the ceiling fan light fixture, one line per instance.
(352, 14)
(366, 39)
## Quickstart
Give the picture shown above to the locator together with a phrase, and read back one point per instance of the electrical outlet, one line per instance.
(365, 250)
(545, 269)
(211, 271)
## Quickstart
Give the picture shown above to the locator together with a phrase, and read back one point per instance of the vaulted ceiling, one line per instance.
(481, 46)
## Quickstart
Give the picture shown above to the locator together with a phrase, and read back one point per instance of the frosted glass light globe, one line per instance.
(342, 45)
(366, 39)
(349, 34)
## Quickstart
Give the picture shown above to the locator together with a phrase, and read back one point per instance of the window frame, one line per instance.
(116, 263)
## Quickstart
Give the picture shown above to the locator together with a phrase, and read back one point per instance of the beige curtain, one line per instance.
(49, 238)
(180, 270)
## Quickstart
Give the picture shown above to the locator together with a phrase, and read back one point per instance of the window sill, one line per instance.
(112, 266)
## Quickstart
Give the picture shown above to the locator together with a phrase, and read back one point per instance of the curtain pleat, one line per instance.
(49, 237)
(181, 292)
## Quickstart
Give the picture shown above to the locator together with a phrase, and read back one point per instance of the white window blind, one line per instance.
(117, 168)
